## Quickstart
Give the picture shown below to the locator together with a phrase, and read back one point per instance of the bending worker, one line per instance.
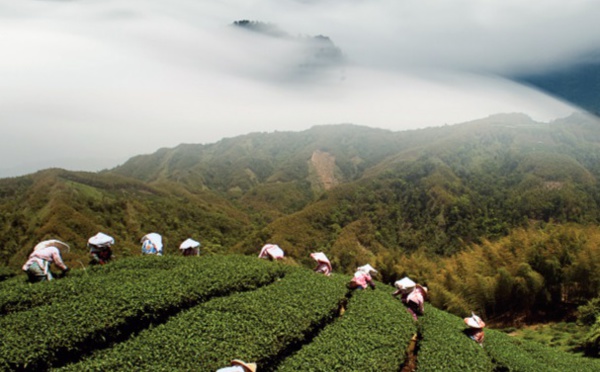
(323, 263)
(190, 247)
(362, 278)
(45, 253)
(271, 252)
(100, 248)
(475, 330)
(152, 244)
(415, 301)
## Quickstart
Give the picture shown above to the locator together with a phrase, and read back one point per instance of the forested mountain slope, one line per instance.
(438, 188)
(359, 194)
(466, 183)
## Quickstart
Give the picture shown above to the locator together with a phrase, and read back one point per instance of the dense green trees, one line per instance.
(532, 274)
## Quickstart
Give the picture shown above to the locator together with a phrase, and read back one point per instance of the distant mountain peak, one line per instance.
(317, 53)
(261, 27)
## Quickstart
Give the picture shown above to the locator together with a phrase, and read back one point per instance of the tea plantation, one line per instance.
(196, 314)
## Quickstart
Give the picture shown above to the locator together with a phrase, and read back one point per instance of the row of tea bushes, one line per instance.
(17, 294)
(372, 335)
(162, 313)
(258, 326)
(445, 347)
(53, 334)
(513, 354)
(6, 273)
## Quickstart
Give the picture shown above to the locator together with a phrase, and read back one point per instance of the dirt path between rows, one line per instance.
(411, 356)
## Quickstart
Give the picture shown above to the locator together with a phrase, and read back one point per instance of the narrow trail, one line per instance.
(410, 364)
(412, 350)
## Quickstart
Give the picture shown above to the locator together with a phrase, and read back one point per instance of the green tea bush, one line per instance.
(372, 335)
(515, 354)
(554, 358)
(591, 341)
(52, 334)
(6, 273)
(255, 326)
(507, 353)
(17, 294)
(196, 314)
(445, 347)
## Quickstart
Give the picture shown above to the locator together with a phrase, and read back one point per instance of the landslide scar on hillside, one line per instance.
(323, 164)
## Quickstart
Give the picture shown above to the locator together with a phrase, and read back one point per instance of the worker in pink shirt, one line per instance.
(271, 252)
(37, 266)
(415, 301)
(362, 278)
(475, 330)
(323, 263)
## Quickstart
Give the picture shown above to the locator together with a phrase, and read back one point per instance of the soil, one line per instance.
(411, 356)
(324, 164)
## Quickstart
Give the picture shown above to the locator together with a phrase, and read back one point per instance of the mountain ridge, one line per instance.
(419, 198)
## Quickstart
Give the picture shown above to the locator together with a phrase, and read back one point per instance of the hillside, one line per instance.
(182, 314)
(76, 205)
(414, 202)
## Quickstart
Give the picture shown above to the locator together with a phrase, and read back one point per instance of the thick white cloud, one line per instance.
(86, 84)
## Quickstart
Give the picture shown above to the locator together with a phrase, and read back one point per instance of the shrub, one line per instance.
(514, 354)
(17, 294)
(255, 326)
(372, 335)
(445, 347)
(53, 334)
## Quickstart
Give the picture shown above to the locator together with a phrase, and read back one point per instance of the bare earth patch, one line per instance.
(324, 165)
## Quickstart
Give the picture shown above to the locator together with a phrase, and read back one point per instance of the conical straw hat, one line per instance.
(249, 366)
(474, 322)
(189, 243)
(51, 243)
(101, 239)
(404, 283)
(367, 269)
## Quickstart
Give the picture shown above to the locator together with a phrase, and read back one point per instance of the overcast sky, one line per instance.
(86, 84)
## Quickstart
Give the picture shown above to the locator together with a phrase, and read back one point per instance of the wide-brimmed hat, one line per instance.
(272, 250)
(249, 366)
(321, 258)
(189, 243)
(52, 243)
(367, 269)
(101, 240)
(474, 321)
(404, 283)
